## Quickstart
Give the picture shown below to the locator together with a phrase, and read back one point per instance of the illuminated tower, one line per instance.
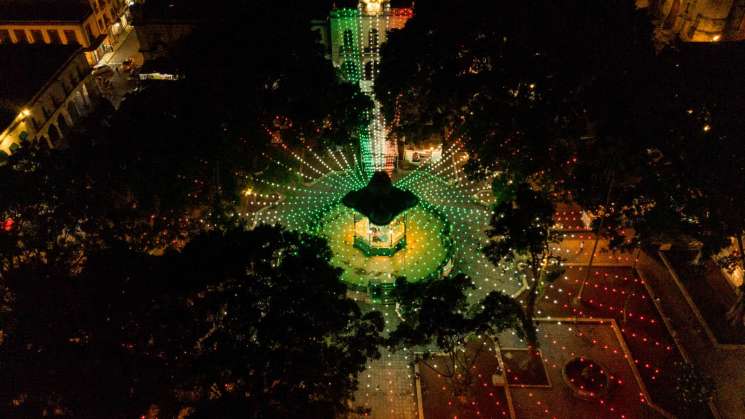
(356, 37)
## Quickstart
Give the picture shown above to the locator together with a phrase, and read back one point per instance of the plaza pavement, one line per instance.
(394, 378)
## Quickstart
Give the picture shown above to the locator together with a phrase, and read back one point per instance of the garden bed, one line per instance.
(618, 293)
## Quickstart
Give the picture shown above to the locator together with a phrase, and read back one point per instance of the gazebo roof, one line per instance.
(380, 201)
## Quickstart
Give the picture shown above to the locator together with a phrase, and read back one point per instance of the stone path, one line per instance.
(387, 388)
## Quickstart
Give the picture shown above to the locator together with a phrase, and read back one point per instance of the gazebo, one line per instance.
(380, 215)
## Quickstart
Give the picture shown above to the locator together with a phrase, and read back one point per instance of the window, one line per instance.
(23, 136)
(71, 38)
(20, 36)
(36, 36)
(4, 36)
(54, 37)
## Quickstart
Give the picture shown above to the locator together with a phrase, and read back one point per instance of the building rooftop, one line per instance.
(44, 10)
(29, 69)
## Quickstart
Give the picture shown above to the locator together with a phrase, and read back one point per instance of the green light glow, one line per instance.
(444, 232)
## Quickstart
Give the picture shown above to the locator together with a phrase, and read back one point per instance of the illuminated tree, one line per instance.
(437, 313)
(520, 231)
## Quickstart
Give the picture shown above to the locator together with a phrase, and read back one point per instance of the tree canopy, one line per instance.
(238, 323)
(521, 231)
(438, 313)
(519, 95)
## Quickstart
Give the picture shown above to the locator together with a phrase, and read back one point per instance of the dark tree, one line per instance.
(696, 194)
(268, 80)
(69, 345)
(47, 206)
(521, 232)
(277, 336)
(518, 95)
(437, 313)
(238, 322)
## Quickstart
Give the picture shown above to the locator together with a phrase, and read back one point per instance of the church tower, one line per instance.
(357, 35)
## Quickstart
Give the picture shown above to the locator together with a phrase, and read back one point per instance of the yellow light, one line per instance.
(25, 113)
(707, 128)
(716, 38)
(372, 7)
(247, 191)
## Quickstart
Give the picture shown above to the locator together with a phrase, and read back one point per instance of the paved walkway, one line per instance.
(724, 366)
(577, 247)
(387, 388)
(563, 341)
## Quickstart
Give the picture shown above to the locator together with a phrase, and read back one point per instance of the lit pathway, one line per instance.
(387, 388)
